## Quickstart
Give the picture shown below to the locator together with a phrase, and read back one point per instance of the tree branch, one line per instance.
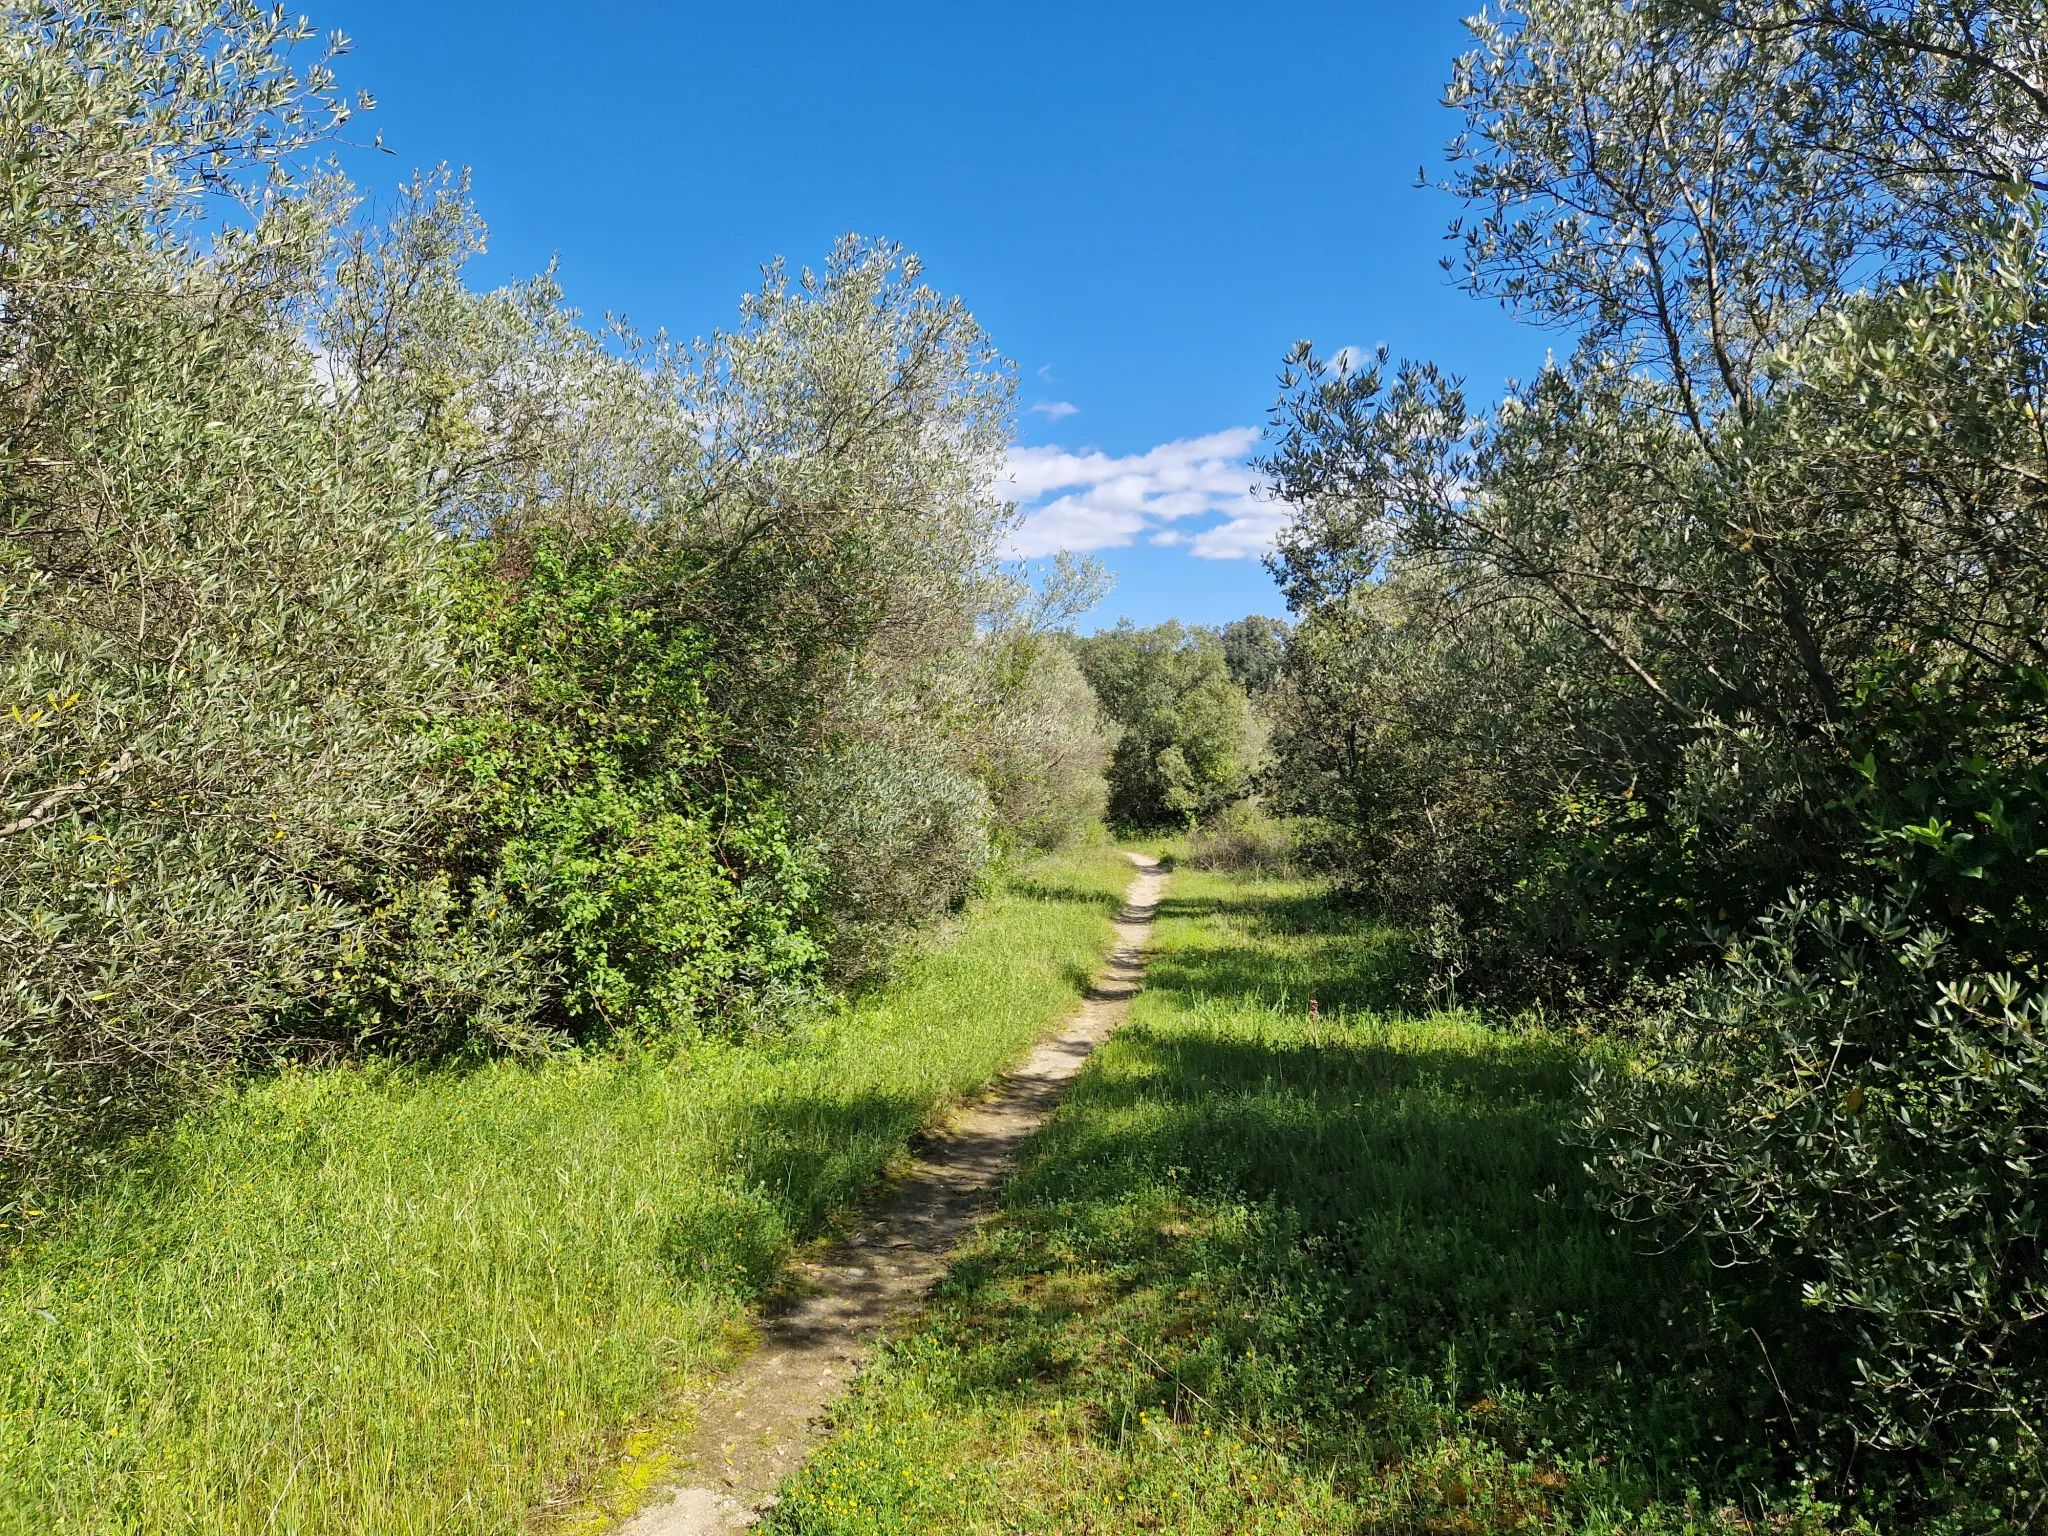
(46, 809)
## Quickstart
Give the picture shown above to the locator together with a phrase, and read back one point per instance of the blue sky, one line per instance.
(1144, 204)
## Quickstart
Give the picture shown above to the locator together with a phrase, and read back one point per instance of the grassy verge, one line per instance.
(1281, 1271)
(386, 1301)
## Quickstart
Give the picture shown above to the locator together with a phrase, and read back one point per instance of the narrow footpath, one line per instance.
(756, 1426)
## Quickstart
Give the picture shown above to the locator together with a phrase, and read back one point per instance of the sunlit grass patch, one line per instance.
(1290, 1268)
(370, 1300)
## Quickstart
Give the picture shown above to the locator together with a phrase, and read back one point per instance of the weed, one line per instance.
(375, 1299)
(1282, 1267)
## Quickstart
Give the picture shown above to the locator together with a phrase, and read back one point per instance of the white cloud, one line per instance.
(1350, 359)
(1089, 500)
(1244, 537)
(1055, 410)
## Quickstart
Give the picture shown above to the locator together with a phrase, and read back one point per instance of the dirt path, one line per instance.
(757, 1426)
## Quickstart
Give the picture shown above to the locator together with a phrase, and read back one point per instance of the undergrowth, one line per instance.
(371, 1299)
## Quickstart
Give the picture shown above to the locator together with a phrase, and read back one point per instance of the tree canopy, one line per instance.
(1700, 679)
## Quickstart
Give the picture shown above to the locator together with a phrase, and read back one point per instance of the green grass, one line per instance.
(1275, 1273)
(375, 1300)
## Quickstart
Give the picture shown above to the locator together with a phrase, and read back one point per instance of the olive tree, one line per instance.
(1708, 661)
(217, 628)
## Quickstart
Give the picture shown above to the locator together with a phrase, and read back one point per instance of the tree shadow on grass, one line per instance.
(1361, 1237)
(793, 1160)
(1315, 946)
(812, 1154)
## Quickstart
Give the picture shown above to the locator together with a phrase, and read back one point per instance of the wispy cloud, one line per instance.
(1089, 500)
(1054, 410)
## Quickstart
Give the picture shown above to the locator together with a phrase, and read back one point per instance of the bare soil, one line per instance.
(758, 1424)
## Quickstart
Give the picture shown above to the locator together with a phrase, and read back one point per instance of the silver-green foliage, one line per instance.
(1712, 658)
(1039, 739)
(217, 624)
(1843, 1102)
(809, 493)
(843, 505)
(392, 664)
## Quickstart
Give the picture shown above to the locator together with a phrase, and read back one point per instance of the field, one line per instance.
(379, 1300)
(1292, 1261)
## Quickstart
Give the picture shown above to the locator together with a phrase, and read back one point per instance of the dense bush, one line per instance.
(1041, 739)
(216, 588)
(1831, 1105)
(393, 665)
(1242, 839)
(594, 802)
(1707, 667)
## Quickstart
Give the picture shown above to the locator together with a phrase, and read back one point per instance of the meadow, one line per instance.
(1292, 1260)
(375, 1299)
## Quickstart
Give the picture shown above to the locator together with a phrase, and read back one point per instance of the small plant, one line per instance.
(1242, 839)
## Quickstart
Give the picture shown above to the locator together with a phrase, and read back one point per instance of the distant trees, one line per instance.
(1712, 658)
(392, 665)
(1253, 649)
(1040, 739)
(1187, 744)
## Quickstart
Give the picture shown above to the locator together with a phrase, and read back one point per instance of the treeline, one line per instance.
(1184, 699)
(1700, 686)
(390, 665)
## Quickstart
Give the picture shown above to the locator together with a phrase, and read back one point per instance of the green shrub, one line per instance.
(599, 796)
(903, 832)
(1839, 1115)
(1852, 1103)
(1242, 839)
(1186, 746)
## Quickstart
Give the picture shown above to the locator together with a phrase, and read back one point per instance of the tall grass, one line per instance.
(374, 1300)
(1282, 1269)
